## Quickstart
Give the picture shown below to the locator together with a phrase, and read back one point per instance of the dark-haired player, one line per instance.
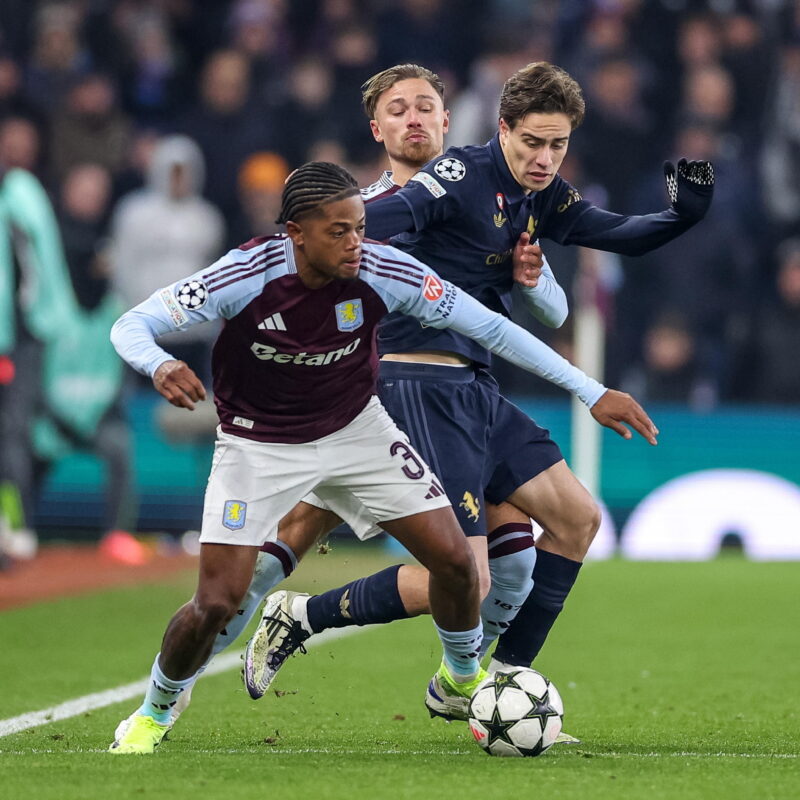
(294, 374)
(464, 212)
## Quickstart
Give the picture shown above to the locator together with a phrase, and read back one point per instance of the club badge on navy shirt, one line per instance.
(499, 218)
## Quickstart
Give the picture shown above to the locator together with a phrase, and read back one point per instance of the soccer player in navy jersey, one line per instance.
(465, 212)
(294, 373)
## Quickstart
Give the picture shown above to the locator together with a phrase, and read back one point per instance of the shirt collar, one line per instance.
(510, 188)
(288, 250)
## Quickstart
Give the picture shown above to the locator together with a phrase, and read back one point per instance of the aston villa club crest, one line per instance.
(234, 514)
(349, 315)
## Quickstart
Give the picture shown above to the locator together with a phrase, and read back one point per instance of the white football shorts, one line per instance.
(367, 473)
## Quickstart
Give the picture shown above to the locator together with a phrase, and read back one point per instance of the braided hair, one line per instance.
(313, 185)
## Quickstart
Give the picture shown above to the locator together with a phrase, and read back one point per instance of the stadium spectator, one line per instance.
(261, 180)
(304, 110)
(259, 31)
(90, 127)
(59, 58)
(228, 123)
(163, 232)
(13, 102)
(83, 214)
(777, 333)
(20, 144)
(670, 370)
(81, 376)
(37, 306)
(616, 122)
(780, 156)
(153, 76)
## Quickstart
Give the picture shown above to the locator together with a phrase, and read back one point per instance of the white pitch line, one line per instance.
(90, 702)
(297, 751)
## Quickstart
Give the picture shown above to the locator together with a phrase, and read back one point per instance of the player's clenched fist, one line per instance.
(528, 261)
(615, 408)
(178, 383)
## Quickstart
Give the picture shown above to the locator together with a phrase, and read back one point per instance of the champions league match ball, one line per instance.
(516, 712)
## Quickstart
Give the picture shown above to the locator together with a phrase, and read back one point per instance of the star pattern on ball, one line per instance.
(542, 709)
(496, 729)
(502, 679)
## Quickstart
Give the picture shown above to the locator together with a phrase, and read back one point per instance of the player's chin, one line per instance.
(349, 270)
(419, 152)
(537, 183)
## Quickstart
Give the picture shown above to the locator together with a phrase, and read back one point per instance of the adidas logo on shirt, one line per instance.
(273, 323)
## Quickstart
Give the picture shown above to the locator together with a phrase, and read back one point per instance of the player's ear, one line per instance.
(376, 130)
(295, 233)
(446, 123)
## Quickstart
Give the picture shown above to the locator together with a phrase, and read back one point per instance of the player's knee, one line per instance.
(457, 568)
(214, 611)
(514, 572)
(577, 528)
(589, 523)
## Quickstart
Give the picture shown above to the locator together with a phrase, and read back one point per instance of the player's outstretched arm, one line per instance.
(614, 409)
(177, 382)
(690, 188)
(500, 335)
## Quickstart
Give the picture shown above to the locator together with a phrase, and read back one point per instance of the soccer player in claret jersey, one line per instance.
(465, 213)
(294, 374)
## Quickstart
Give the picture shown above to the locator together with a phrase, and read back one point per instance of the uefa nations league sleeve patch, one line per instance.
(192, 294)
(451, 169)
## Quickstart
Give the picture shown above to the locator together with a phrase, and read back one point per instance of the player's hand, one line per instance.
(528, 261)
(614, 408)
(690, 187)
(178, 383)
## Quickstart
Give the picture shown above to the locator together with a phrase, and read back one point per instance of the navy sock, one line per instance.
(367, 601)
(553, 578)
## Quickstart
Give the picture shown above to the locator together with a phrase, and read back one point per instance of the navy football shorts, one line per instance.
(478, 443)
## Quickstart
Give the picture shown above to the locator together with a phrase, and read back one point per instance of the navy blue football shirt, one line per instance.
(463, 214)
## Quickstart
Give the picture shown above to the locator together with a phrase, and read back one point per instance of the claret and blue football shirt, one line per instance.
(293, 364)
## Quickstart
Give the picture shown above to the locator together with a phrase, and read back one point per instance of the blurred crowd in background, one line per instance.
(141, 139)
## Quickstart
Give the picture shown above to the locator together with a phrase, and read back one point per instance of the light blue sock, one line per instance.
(162, 694)
(268, 573)
(512, 557)
(461, 650)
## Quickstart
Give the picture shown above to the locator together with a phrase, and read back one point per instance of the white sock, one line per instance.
(299, 610)
(162, 694)
(495, 665)
(461, 652)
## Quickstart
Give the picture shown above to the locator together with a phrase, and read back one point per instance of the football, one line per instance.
(516, 712)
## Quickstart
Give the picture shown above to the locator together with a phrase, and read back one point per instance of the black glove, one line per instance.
(690, 188)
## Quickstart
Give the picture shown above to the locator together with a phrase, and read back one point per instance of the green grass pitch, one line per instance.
(681, 679)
